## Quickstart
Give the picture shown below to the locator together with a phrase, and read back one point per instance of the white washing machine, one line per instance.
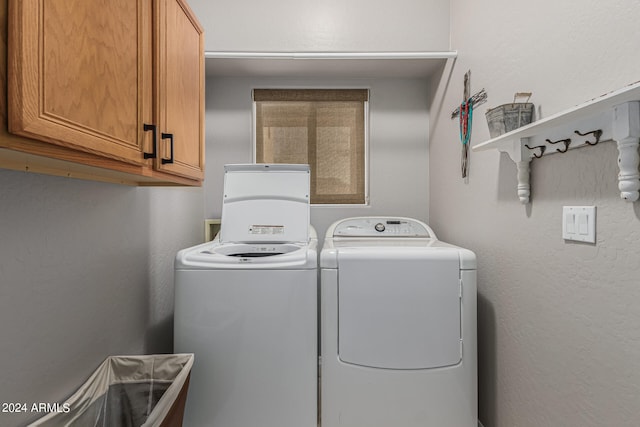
(246, 305)
(398, 327)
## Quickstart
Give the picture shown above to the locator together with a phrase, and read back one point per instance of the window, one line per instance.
(322, 128)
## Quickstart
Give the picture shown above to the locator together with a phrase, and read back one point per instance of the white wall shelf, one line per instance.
(325, 64)
(615, 116)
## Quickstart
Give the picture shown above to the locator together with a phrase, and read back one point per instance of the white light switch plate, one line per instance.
(579, 223)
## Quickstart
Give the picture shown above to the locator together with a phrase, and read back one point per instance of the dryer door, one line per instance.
(399, 308)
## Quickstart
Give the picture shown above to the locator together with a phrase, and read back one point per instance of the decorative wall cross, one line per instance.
(465, 112)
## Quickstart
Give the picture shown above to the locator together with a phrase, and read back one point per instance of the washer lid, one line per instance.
(249, 256)
(265, 203)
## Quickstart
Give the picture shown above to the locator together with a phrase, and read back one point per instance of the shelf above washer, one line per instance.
(325, 64)
(614, 116)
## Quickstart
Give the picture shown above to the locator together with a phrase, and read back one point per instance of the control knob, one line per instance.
(379, 227)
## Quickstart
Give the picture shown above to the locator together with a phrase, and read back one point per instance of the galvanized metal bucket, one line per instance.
(507, 117)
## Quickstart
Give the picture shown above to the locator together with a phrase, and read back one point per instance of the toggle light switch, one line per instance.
(579, 223)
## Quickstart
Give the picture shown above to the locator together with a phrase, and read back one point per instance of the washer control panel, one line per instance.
(381, 227)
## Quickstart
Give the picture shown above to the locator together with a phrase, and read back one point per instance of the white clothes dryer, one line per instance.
(398, 327)
(246, 305)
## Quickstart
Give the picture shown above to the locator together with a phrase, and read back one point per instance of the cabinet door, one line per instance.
(80, 74)
(179, 89)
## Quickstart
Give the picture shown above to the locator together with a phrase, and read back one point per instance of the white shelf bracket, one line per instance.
(626, 133)
(521, 156)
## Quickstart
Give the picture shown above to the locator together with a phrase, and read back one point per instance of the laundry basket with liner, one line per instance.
(507, 117)
(128, 391)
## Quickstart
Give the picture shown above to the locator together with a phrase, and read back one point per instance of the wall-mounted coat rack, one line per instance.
(614, 116)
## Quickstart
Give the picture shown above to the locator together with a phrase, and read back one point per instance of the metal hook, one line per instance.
(565, 141)
(596, 133)
(541, 147)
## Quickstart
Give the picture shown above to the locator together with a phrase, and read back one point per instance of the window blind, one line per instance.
(322, 128)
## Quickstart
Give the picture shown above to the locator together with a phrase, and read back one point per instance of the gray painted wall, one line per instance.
(86, 271)
(329, 25)
(398, 128)
(84, 274)
(558, 322)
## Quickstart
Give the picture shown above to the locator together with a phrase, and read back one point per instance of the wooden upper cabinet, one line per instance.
(77, 74)
(95, 76)
(180, 90)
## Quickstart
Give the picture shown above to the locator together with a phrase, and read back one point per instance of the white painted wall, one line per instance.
(86, 271)
(332, 25)
(398, 128)
(558, 322)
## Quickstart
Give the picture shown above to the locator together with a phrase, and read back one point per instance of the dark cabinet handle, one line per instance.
(154, 152)
(168, 136)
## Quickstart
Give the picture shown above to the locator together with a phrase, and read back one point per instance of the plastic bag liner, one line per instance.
(128, 391)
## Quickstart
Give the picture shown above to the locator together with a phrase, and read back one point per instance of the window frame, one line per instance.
(365, 160)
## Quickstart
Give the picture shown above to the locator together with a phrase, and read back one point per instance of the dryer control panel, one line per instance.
(382, 227)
